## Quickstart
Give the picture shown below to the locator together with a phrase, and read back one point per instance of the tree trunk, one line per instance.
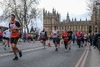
(25, 19)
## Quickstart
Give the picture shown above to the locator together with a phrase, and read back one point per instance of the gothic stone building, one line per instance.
(50, 20)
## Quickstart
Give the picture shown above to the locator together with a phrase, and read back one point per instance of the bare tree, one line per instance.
(90, 4)
(25, 10)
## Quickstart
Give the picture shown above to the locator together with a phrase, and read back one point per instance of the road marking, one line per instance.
(7, 54)
(79, 61)
(84, 60)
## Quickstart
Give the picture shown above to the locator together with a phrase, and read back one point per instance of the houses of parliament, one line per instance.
(51, 20)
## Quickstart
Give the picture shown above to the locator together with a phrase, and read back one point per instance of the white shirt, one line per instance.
(55, 33)
(8, 34)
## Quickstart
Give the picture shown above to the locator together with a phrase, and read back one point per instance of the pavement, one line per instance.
(94, 57)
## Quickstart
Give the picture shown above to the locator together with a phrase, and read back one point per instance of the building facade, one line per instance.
(50, 20)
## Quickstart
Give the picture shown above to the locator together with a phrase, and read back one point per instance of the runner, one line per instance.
(30, 37)
(85, 39)
(43, 37)
(24, 36)
(1, 35)
(73, 38)
(4, 37)
(65, 38)
(7, 35)
(54, 36)
(14, 28)
(82, 39)
(69, 38)
(34, 37)
(79, 36)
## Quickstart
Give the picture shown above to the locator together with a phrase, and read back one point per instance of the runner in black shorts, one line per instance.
(43, 37)
(55, 38)
(14, 28)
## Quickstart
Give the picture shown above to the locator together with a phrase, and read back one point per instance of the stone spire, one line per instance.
(67, 18)
(54, 11)
(72, 19)
(75, 19)
(86, 19)
(80, 20)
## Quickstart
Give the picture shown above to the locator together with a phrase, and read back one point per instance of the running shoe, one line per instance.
(20, 53)
(16, 58)
(56, 49)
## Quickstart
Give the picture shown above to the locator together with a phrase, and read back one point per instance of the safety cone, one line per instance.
(49, 43)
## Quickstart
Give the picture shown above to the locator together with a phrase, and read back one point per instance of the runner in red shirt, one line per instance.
(65, 38)
(79, 36)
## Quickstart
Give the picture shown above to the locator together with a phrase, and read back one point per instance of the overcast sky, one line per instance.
(76, 8)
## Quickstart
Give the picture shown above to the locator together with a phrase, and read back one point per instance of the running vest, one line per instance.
(78, 34)
(65, 36)
(14, 32)
(55, 33)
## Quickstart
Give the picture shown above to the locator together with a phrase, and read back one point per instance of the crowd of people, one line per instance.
(13, 36)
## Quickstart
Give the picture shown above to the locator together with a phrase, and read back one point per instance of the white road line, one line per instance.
(84, 60)
(32, 49)
(6, 54)
(79, 61)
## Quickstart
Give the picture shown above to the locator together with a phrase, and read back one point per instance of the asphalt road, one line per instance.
(33, 57)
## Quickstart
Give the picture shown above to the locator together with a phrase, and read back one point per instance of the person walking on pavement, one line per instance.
(97, 40)
(94, 38)
(43, 37)
(14, 27)
(91, 38)
(65, 39)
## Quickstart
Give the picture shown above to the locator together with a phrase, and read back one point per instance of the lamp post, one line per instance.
(51, 23)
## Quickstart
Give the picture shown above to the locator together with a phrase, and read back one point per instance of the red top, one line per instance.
(65, 36)
(1, 33)
(78, 34)
(14, 33)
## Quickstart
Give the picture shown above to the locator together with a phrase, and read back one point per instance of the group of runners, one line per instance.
(12, 34)
(67, 37)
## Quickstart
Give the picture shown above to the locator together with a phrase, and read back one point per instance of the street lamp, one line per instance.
(51, 23)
